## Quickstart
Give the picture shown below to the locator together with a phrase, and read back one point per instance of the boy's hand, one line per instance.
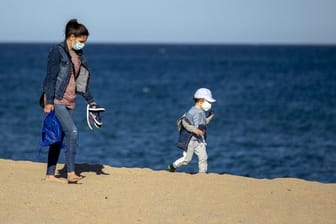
(198, 132)
(211, 114)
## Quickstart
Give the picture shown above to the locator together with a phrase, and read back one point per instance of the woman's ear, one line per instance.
(72, 36)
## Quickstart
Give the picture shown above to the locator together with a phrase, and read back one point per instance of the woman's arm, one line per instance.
(49, 84)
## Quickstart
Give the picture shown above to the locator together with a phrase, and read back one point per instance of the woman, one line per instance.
(67, 74)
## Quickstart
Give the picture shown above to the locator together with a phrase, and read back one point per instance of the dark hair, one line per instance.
(196, 100)
(76, 29)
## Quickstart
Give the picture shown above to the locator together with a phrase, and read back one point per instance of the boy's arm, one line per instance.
(210, 116)
(192, 128)
(188, 126)
(208, 119)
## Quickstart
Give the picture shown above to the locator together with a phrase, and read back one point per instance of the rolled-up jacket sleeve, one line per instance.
(188, 126)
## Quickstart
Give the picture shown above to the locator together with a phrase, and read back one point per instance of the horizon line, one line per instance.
(182, 43)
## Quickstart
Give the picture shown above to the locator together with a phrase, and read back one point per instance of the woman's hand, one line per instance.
(48, 108)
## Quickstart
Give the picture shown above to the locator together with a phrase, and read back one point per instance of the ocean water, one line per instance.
(275, 114)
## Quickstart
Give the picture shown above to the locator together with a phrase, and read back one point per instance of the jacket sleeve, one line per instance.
(87, 96)
(188, 126)
(49, 84)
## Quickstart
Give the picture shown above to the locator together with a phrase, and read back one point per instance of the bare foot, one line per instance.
(73, 178)
(51, 178)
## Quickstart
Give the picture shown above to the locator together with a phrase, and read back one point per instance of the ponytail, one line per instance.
(76, 29)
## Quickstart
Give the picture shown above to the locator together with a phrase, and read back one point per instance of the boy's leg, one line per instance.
(187, 156)
(201, 152)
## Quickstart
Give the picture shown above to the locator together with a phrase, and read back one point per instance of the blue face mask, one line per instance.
(78, 46)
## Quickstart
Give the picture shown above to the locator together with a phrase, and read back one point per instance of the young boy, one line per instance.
(194, 125)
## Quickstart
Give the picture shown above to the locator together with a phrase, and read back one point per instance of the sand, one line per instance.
(132, 195)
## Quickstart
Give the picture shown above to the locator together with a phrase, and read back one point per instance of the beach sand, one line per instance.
(132, 195)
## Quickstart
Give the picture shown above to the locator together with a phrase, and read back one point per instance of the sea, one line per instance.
(275, 114)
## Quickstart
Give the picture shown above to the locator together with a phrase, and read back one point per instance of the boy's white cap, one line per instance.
(204, 93)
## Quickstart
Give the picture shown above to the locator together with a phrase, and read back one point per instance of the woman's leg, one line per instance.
(53, 154)
(64, 115)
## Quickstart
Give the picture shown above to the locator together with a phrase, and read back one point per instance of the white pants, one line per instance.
(199, 149)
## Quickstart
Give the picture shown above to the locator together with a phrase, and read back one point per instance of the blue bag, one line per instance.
(51, 130)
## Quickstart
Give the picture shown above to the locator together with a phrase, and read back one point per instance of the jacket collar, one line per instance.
(65, 47)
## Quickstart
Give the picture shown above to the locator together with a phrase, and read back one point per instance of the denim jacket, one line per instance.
(193, 119)
(59, 71)
(186, 134)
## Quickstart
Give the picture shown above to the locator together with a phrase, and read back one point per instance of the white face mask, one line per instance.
(78, 46)
(206, 106)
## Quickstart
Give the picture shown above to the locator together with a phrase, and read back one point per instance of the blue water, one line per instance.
(275, 114)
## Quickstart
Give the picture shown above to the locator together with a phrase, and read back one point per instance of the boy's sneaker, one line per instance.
(171, 168)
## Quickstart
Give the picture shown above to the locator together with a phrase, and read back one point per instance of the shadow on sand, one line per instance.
(80, 168)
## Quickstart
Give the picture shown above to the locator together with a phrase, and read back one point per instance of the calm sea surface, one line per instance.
(275, 114)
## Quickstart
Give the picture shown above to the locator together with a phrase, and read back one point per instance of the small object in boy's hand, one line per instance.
(211, 112)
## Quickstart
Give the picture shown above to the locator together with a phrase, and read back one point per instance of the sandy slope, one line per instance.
(123, 195)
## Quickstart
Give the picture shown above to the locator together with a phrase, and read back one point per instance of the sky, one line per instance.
(173, 21)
